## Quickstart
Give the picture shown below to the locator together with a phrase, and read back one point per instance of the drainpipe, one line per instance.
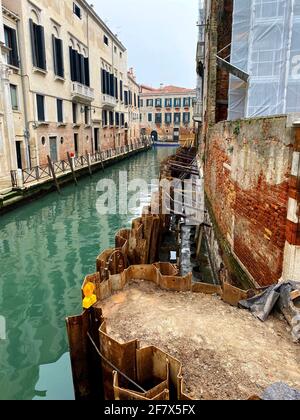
(26, 131)
(90, 107)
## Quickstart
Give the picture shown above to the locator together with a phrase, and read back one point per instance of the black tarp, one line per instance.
(275, 297)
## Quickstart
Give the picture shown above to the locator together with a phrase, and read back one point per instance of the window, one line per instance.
(87, 115)
(158, 103)
(40, 103)
(168, 118)
(38, 45)
(108, 83)
(129, 97)
(150, 102)
(186, 117)
(80, 70)
(122, 120)
(158, 118)
(177, 118)
(135, 100)
(177, 103)
(121, 55)
(76, 10)
(14, 97)
(60, 112)
(126, 98)
(141, 103)
(11, 43)
(115, 50)
(187, 102)
(58, 57)
(121, 90)
(104, 118)
(74, 111)
(76, 144)
(105, 40)
(116, 88)
(149, 117)
(168, 103)
(111, 118)
(117, 119)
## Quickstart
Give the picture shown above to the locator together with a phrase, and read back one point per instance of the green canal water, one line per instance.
(46, 249)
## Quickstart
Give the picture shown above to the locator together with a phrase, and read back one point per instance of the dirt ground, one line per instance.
(226, 353)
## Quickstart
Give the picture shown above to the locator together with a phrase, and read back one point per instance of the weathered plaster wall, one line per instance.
(248, 166)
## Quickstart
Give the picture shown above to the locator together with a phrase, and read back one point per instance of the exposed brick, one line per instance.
(250, 201)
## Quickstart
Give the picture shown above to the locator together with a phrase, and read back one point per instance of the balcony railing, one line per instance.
(82, 92)
(109, 101)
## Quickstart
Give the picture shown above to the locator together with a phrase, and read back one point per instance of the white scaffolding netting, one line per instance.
(266, 45)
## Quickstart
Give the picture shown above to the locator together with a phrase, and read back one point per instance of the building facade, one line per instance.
(251, 165)
(68, 79)
(167, 113)
(8, 158)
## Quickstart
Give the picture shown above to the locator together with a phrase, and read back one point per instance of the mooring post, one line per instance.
(51, 167)
(88, 158)
(72, 168)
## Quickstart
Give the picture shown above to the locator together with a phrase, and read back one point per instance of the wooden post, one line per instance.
(88, 158)
(72, 169)
(53, 173)
(101, 160)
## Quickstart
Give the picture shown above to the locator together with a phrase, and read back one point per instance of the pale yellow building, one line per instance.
(167, 113)
(8, 160)
(68, 82)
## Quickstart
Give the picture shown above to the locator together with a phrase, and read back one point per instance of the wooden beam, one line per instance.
(53, 173)
(89, 163)
(72, 169)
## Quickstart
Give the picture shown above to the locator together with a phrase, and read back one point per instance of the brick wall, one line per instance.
(224, 39)
(65, 141)
(248, 166)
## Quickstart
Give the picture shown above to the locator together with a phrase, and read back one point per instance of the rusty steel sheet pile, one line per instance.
(106, 369)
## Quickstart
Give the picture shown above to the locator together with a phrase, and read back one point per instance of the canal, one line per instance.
(46, 249)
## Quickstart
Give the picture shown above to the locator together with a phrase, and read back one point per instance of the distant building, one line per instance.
(67, 86)
(167, 112)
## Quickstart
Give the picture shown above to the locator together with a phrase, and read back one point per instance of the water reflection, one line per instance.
(46, 248)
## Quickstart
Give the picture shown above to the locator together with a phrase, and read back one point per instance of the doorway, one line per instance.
(19, 154)
(76, 144)
(53, 149)
(176, 135)
(96, 139)
(154, 136)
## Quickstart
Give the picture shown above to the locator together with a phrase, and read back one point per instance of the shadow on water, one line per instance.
(46, 249)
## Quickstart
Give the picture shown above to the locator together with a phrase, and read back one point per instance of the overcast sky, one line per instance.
(160, 36)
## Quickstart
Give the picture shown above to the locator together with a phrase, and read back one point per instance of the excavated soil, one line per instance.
(226, 353)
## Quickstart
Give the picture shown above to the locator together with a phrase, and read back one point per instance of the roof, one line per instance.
(170, 89)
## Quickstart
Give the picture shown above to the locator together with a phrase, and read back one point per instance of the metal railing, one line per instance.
(43, 172)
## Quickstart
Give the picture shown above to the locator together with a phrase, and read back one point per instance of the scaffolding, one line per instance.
(265, 45)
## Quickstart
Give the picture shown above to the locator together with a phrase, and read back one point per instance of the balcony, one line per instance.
(109, 101)
(82, 93)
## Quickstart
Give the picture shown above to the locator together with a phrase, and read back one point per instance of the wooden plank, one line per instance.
(225, 65)
(52, 170)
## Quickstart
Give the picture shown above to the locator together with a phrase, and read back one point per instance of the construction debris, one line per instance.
(283, 297)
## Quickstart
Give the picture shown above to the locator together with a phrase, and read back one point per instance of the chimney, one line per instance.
(161, 86)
